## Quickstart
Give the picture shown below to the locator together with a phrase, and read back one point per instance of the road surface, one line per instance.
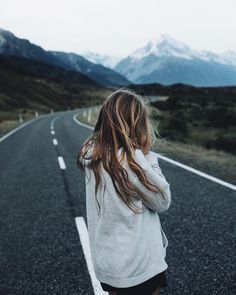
(42, 192)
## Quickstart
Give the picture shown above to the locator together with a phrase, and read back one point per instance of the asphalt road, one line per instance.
(40, 249)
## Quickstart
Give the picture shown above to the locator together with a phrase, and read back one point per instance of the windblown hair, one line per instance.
(124, 121)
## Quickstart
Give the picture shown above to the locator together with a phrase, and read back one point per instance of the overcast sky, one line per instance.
(118, 27)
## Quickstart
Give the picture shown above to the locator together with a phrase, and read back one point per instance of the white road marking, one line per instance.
(26, 123)
(82, 124)
(200, 173)
(186, 167)
(84, 239)
(16, 129)
(61, 163)
(52, 122)
(52, 132)
(55, 142)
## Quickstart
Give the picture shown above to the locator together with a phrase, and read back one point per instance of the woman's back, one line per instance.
(127, 248)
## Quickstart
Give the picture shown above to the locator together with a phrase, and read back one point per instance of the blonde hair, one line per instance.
(124, 121)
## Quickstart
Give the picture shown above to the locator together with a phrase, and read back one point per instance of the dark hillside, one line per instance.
(32, 84)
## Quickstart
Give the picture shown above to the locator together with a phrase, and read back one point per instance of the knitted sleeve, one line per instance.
(150, 166)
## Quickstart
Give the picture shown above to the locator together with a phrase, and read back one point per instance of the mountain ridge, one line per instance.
(167, 61)
(14, 46)
(97, 72)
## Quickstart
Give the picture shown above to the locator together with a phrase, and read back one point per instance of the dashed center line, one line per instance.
(53, 121)
(61, 163)
(55, 142)
(52, 132)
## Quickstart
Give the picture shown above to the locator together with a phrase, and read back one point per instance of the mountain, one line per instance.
(167, 61)
(97, 72)
(103, 59)
(12, 46)
(32, 84)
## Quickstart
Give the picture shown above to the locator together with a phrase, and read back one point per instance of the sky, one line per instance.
(119, 27)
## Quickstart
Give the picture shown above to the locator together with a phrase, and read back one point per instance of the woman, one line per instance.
(125, 192)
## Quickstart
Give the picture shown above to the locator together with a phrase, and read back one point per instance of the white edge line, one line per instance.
(21, 126)
(55, 142)
(61, 163)
(80, 123)
(198, 172)
(16, 129)
(84, 239)
(186, 167)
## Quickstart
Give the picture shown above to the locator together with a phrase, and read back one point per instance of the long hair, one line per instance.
(124, 121)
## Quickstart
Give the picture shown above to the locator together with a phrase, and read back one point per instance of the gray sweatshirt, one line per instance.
(127, 248)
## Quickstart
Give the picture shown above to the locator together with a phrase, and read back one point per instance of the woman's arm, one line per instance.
(149, 164)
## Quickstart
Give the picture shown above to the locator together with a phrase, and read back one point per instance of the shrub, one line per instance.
(224, 143)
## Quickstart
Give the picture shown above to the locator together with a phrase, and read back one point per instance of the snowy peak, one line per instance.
(166, 46)
(229, 57)
(103, 59)
(165, 60)
(163, 45)
(166, 40)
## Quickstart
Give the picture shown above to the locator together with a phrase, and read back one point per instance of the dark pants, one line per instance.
(147, 287)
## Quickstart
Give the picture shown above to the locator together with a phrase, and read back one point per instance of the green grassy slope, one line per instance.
(35, 85)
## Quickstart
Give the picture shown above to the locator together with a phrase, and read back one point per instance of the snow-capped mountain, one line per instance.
(229, 57)
(166, 60)
(103, 59)
(162, 60)
(164, 45)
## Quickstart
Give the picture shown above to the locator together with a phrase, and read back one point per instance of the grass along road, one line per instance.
(217, 163)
